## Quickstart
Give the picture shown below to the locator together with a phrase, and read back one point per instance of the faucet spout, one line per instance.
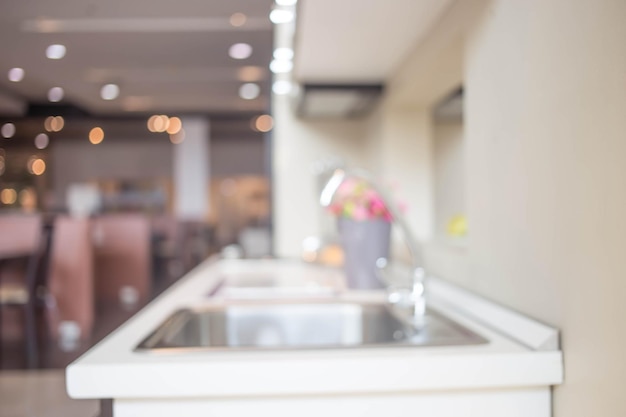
(410, 293)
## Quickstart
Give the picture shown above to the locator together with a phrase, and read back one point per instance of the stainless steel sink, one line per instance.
(290, 325)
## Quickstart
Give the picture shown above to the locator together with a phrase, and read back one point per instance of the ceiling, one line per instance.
(337, 42)
(172, 57)
(169, 57)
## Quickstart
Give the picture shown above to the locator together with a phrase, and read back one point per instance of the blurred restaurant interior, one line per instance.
(125, 160)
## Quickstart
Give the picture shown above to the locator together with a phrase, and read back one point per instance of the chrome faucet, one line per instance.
(408, 297)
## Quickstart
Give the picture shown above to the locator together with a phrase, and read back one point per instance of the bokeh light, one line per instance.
(240, 51)
(8, 196)
(28, 199)
(38, 166)
(55, 94)
(281, 87)
(109, 91)
(175, 124)
(54, 123)
(249, 91)
(250, 73)
(263, 123)
(56, 51)
(7, 130)
(16, 74)
(284, 54)
(41, 141)
(238, 19)
(178, 137)
(278, 16)
(280, 66)
(96, 135)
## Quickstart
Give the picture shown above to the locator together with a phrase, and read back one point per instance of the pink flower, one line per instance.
(355, 199)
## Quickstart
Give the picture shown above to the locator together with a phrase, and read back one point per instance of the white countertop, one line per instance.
(520, 352)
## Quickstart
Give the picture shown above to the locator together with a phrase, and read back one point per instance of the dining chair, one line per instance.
(29, 293)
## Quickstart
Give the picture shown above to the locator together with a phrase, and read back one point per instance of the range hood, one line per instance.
(336, 100)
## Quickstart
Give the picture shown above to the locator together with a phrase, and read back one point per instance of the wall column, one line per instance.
(191, 170)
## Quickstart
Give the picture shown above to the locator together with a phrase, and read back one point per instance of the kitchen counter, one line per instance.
(511, 375)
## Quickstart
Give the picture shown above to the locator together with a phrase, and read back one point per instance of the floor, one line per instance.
(41, 392)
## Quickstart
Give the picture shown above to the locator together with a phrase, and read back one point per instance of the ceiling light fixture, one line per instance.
(278, 16)
(56, 51)
(109, 91)
(16, 74)
(249, 91)
(286, 2)
(240, 51)
(55, 94)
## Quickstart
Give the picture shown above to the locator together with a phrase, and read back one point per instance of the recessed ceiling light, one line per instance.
(55, 94)
(249, 91)
(281, 87)
(238, 19)
(240, 51)
(286, 2)
(283, 54)
(56, 51)
(8, 130)
(109, 92)
(16, 74)
(278, 16)
(280, 67)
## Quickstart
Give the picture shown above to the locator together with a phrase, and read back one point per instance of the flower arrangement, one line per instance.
(356, 200)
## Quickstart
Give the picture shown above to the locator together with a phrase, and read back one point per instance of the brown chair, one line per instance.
(122, 249)
(71, 282)
(29, 293)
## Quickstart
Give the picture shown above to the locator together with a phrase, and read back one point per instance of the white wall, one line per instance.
(297, 146)
(404, 157)
(545, 128)
(448, 174)
(545, 122)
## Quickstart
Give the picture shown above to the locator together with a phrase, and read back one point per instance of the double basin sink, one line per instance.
(307, 323)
